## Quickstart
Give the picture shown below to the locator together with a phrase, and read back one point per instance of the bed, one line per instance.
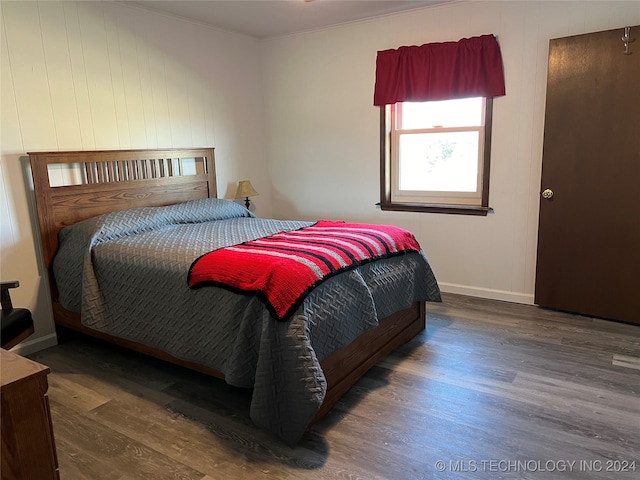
(121, 231)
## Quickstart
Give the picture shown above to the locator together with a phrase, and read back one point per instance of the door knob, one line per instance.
(547, 193)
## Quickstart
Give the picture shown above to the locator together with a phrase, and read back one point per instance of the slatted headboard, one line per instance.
(110, 180)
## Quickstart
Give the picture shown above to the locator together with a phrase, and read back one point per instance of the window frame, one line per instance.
(386, 171)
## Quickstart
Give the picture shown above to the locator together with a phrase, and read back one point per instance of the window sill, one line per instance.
(436, 208)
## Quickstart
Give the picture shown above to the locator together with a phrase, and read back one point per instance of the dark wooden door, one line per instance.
(589, 229)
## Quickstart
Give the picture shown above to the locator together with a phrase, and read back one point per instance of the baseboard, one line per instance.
(504, 295)
(31, 346)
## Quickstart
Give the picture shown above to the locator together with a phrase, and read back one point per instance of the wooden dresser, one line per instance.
(28, 448)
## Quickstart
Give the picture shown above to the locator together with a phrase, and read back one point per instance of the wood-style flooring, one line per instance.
(490, 390)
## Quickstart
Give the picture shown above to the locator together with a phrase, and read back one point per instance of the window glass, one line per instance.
(446, 113)
(439, 162)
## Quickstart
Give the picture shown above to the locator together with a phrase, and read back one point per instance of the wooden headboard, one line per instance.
(110, 180)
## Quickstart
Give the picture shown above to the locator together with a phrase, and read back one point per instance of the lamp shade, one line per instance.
(245, 189)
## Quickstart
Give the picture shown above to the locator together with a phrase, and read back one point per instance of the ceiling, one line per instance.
(270, 18)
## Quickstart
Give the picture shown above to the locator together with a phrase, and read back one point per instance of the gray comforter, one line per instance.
(126, 273)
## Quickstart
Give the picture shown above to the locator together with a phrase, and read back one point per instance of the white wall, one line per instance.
(323, 131)
(94, 75)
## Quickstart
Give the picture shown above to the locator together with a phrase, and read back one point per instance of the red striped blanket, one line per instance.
(283, 268)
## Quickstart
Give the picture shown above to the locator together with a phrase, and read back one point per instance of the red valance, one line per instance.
(471, 67)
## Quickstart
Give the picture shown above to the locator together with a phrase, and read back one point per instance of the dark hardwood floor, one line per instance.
(490, 390)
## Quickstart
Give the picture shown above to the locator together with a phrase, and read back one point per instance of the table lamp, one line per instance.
(246, 190)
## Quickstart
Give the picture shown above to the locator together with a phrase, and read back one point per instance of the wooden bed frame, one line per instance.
(114, 180)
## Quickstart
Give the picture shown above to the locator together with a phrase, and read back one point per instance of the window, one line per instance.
(436, 104)
(435, 156)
